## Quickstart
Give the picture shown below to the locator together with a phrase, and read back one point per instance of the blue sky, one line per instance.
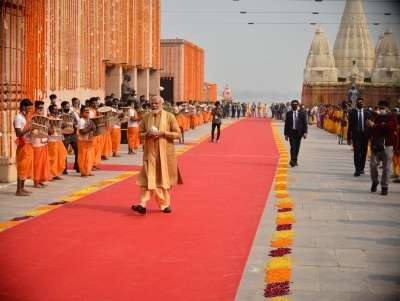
(262, 60)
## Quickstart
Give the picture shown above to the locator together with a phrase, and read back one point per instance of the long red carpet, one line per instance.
(96, 248)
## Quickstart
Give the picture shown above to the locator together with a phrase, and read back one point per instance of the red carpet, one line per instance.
(98, 249)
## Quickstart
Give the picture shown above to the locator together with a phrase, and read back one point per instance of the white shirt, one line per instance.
(83, 125)
(19, 123)
(294, 124)
(362, 118)
(132, 124)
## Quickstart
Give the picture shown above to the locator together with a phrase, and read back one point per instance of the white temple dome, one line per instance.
(387, 62)
(320, 60)
(353, 41)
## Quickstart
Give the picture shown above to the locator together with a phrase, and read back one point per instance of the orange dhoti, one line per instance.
(115, 139)
(107, 145)
(57, 156)
(24, 161)
(193, 120)
(133, 137)
(98, 142)
(41, 165)
(200, 119)
(85, 156)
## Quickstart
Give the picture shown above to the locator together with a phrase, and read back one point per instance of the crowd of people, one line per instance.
(373, 132)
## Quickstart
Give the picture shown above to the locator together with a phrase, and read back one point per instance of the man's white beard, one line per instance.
(156, 111)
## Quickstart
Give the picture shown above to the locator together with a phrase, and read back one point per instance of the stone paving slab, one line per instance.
(347, 239)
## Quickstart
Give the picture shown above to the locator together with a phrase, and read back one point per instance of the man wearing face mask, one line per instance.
(71, 139)
(53, 101)
(41, 166)
(98, 141)
(160, 170)
(24, 156)
(295, 128)
(116, 131)
(382, 126)
(358, 133)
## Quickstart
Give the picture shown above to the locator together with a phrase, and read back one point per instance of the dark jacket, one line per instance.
(352, 131)
(385, 126)
(302, 126)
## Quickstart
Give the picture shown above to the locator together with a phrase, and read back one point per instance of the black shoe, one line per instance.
(167, 210)
(139, 209)
(384, 191)
(65, 172)
(292, 163)
(374, 186)
(362, 172)
(357, 173)
(295, 164)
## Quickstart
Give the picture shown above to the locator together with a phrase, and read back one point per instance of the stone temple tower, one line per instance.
(320, 61)
(353, 50)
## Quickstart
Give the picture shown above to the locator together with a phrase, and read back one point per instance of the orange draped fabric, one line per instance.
(98, 142)
(57, 155)
(24, 161)
(85, 156)
(193, 120)
(116, 139)
(107, 145)
(133, 137)
(200, 119)
(41, 165)
(187, 123)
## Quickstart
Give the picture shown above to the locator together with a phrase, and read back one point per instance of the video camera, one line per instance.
(345, 106)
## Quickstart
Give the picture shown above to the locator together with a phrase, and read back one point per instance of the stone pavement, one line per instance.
(12, 206)
(347, 243)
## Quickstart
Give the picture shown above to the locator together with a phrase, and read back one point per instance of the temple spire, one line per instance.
(353, 42)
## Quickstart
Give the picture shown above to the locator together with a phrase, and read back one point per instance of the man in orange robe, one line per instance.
(133, 129)
(41, 165)
(57, 150)
(85, 143)
(116, 131)
(107, 143)
(98, 141)
(24, 156)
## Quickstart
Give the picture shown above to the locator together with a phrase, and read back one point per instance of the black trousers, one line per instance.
(295, 140)
(244, 113)
(238, 114)
(360, 151)
(213, 126)
(73, 141)
(233, 113)
(273, 113)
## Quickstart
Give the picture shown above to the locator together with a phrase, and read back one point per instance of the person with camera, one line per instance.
(359, 134)
(216, 114)
(382, 142)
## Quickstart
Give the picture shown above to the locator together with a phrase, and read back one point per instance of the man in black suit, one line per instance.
(358, 133)
(295, 128)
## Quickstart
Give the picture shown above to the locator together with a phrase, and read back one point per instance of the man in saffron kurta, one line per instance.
(57, 150)
(160, 170)
(24, 156)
